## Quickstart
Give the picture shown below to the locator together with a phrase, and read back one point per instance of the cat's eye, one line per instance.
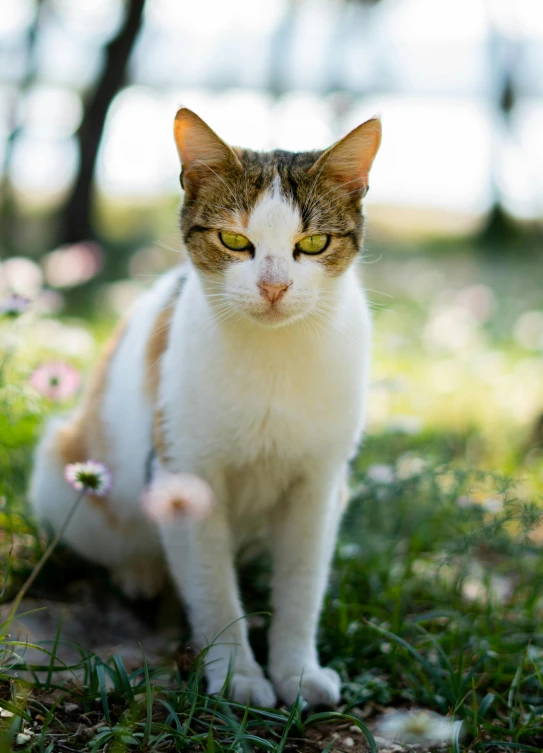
(235, 241)
(313, 244)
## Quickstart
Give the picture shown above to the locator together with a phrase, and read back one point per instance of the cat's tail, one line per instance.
(48, 493)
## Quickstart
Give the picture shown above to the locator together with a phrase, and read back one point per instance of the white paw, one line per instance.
(319, 686)
(255, 690)
(139, 580)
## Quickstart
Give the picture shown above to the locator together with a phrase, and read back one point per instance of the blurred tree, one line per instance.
(8, 208)
(499, 226)
(77, 215)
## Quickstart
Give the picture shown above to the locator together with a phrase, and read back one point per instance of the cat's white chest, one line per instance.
(273, 399)
(290, 408)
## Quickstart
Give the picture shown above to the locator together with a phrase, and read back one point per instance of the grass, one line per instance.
(435, 599)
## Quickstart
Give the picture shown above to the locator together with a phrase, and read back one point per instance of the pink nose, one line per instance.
(273, 293)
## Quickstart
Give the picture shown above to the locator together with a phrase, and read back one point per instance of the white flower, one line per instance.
(379, 473)
(408, 466)
(464, 501)
(171, 495)
(349, 551)
(413, 727)
(89, 476)
(404, 424)
(492, 504)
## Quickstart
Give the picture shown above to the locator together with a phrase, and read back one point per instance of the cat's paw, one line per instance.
(245, 688)
(318, 686)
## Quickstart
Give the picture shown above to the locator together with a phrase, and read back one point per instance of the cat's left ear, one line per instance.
(349, 160)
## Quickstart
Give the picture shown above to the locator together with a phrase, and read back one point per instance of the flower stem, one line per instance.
(45, 556)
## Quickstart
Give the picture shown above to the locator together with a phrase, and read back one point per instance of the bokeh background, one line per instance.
(90, 190)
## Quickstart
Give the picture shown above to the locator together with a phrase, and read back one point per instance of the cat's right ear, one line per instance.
(202, 153)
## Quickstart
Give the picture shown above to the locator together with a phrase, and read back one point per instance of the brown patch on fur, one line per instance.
(156, 347)
(85, 437)
(72, 445)
(159, 437)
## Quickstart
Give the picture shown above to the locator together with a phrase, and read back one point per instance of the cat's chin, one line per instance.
(273, 317)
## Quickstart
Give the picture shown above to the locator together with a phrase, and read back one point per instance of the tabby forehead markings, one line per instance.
(274, 221)
(274, 197)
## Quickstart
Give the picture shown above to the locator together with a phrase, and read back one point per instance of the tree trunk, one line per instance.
(8, 206)
(77, 215)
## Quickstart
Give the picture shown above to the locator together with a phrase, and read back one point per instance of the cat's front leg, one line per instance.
(201, 561)
(304, 534)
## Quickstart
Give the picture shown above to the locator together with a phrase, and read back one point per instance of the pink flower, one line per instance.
(175, 495)
(89, 476)
(57, 381)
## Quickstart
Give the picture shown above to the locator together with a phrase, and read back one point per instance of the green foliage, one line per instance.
(435, 599)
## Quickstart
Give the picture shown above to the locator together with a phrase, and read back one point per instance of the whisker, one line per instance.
(379, 292)
(362, 259)
(168, 248)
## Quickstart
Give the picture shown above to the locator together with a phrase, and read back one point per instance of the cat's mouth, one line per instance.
(273, 314)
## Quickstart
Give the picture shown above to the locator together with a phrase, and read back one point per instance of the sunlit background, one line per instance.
(90, 188)
(290, 74)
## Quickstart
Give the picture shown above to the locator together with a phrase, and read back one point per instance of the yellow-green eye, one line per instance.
(313, 244)
(235, 241)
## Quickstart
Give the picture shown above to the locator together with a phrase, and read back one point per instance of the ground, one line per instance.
(435, 600)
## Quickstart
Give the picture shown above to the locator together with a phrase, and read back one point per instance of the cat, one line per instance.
(248, 368)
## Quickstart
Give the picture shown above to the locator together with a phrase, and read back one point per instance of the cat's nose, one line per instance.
(273, 293)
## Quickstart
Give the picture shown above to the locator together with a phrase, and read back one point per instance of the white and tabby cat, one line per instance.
(248, 368)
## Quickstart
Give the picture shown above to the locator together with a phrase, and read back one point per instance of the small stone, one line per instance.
(69, 708)
(349, 742)
(355, 729)
(4, 713)
(22, 738)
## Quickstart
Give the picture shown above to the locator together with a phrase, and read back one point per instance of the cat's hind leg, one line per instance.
(101, 530)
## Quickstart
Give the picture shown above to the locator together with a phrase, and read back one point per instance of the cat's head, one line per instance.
(271, 232)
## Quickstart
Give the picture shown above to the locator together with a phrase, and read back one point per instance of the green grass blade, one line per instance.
(148, 699)
(122, 675)
(101, 676)
(53, 653)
